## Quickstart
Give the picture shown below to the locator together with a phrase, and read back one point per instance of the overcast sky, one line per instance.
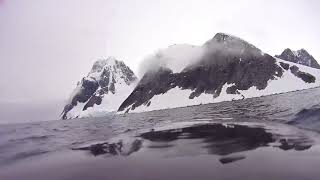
(46, 46)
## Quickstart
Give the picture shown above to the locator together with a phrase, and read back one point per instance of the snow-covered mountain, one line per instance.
(225, 68)
(301, 57)
(103, 90)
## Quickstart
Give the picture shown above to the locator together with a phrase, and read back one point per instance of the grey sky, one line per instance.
(46, 46)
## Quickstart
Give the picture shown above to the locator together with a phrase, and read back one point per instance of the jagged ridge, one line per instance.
(301, 57)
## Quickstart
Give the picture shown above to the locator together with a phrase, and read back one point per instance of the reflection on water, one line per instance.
(118, 148)
(230, 159)
(216, 138)
(212, 138)
(296, 144)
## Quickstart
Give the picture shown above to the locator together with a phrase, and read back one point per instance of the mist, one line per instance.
(29, 112)
(180, 56)
(175, 57)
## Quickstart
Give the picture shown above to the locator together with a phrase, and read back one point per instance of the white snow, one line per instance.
(174, 98)
(110, 102)
(74, 112)
(177, 97)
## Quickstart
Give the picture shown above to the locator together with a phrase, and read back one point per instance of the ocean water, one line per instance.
(271, 137)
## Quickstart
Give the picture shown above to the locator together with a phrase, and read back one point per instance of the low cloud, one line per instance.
(175, 57)
(179, 56)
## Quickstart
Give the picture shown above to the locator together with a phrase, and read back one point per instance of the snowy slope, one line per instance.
(103, 90)
(230, 69)
(178, 97)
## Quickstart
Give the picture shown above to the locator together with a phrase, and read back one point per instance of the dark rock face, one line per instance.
(301, 57)
(306, 77)
(100, 81)
(88, 88)
(227, 60)
(152, 83)
(284, 65)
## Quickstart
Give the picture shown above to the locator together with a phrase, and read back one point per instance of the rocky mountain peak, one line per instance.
(111, 70)
(232, 45)
(101, 63)
(222, 37)
(301, 57)
(107, 77)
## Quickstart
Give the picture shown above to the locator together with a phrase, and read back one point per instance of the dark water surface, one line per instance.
(272, 137)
